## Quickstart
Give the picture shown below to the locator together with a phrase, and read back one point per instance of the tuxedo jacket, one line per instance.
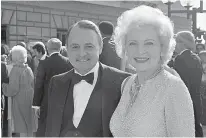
(188, 66)
(109, 85)
(53, 65)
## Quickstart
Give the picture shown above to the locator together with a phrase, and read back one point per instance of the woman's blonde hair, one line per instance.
(146, 15)
(19, 54)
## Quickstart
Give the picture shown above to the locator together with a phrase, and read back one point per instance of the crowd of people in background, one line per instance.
(139, 61)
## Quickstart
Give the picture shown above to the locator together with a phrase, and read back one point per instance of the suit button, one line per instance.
(75, 134)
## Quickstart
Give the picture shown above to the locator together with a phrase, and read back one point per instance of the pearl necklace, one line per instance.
(136, 87)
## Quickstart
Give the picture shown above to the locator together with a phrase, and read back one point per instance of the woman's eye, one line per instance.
(132, 43)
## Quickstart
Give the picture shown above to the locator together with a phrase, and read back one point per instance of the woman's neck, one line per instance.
(149, 74)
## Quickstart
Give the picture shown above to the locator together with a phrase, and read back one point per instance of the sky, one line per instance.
(201, 18)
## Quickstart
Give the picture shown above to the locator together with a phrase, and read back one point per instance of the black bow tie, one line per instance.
(88, 78)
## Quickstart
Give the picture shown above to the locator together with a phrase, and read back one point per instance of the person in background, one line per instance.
(4, 99)
(63, 51)
(188, 66)
(154, 102)
(202, 56)
(21, 89)
(4, 58)
(31, 53)
(53, 65)
(9, 67)
(200, 47)
(30, 61)
(40, 50)
(204, 37)
(40, 53)
(5, 49)
(108, 56)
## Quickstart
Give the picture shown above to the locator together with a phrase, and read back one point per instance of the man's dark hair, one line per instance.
(106, 27)
(86, 24)
(40, 47)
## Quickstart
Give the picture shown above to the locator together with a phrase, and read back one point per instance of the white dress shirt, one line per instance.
(81, 94)
(43, 57)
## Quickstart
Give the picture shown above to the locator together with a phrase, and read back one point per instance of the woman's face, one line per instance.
(143, 48)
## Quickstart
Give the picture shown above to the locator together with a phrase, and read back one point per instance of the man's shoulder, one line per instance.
(52, 59)
(184, 55)
(63, 76)
(59, 57)
(189, 56)
(114, 71)
(188, 60)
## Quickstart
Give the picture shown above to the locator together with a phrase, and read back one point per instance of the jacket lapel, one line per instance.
(107, 99)
(58, 102)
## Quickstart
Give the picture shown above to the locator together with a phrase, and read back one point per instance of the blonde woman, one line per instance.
(21, 90)
(154, 102)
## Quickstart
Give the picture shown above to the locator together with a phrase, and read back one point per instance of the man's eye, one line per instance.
(74, 46)
(89, 46)
(149, 43)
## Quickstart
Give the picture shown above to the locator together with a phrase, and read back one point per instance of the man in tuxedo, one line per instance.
(53, 65)
(82, 100)
(188, 66)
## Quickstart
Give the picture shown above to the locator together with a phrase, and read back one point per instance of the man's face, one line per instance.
(83, 49)
(180, 46)
(38, 54)
(199, 48)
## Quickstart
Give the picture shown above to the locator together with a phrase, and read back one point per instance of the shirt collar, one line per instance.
(43, 57)
(53, 53)
(95, 70)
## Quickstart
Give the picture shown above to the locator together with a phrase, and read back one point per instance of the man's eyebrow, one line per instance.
(73, 44)
(88, 44)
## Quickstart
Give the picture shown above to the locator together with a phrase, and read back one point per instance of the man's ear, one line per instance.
(100, 49)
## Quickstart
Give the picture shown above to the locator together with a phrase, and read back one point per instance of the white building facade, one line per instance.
(40, 20)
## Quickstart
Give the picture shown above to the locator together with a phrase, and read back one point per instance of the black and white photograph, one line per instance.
(82, 68)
